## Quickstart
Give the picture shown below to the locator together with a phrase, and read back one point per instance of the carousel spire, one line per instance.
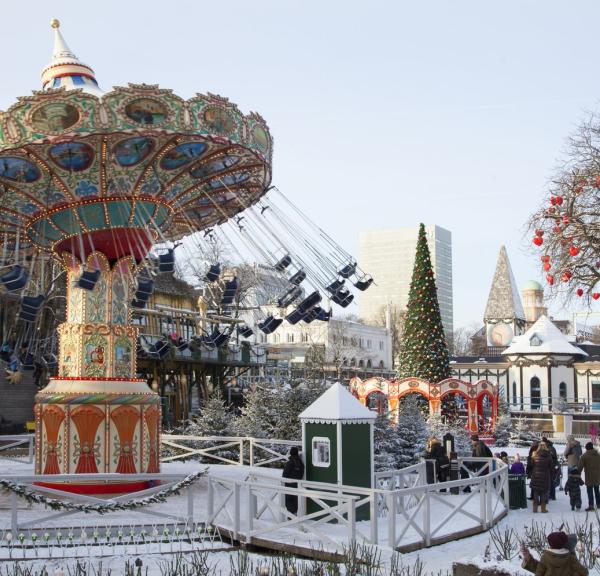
(65, 70)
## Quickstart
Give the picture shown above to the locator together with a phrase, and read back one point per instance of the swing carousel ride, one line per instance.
(98, 189)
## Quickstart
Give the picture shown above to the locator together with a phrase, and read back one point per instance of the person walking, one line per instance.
(572, 451)
(589, 463)
(541, 477)
(294, 469)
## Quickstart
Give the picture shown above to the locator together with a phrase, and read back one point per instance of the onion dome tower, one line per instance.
(94, 180)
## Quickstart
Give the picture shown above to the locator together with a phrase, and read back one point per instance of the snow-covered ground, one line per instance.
(435, 558)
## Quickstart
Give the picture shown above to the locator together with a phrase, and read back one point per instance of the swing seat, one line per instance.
(145, 289)
(88, 279)
(213, 273)
(343, 298)
(181, 344)
(27, 361)
(347, 270)
(244, 331)
(295, 316)
(216, 339)
(309, 302)
(159, 349)
(283, 263)
(289, 297)
(229, 292)
(15, 279)
(166, 262)
(30, 307)
(269, 324)
(363, 284)
(298, 277)
(335, 286)
(323, 315)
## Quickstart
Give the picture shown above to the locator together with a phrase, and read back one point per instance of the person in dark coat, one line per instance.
(590, 464)
(541, 476)
(435, 451)
(294, 468)
(529, 466)
(558, 559)
(555, 467)
(573, 487)
(479, 450)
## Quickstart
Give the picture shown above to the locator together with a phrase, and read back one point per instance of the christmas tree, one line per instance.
(385, 442)
(424, 352)
(411, 433)
(521, 435)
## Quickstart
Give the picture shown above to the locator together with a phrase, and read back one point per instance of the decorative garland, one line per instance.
(22, 491)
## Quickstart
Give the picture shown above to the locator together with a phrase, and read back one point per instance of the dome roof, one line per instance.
(533, 285)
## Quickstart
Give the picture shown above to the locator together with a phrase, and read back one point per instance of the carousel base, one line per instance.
(97, 426)
(100, 489)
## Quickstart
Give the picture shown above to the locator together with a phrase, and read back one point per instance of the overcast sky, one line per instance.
(384, 114)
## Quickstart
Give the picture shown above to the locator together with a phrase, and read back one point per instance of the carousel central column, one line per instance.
(96, 416)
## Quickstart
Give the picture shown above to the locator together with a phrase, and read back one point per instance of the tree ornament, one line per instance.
(547, 266)
(566, 276)
(539, 232)
(580, 292)
(545, 258)
(596, 295)
(550, 279)
(573, 250)
(538, 240)
(557, 229)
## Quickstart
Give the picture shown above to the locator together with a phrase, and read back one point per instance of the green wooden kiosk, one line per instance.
(337, 440)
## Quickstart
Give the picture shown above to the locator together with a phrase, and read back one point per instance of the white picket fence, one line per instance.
(227, 449)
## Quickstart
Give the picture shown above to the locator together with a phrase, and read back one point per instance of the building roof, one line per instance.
(504, 302)
(337, 404)
(543, 338)
(533, 285)
(170, 284)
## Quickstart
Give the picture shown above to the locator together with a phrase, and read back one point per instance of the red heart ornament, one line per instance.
(579, 291)
(538, 240)
(596, 295)
(573, 250)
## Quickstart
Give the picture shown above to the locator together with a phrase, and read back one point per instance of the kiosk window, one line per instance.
(320, 452)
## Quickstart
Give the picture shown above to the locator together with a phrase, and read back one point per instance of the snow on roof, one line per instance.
(337, 404)
(542, 338)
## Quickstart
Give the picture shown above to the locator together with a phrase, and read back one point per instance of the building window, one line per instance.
(381, 365)
(536, 393)
(289, 337)
(361, 343)
(276, 338)
(381, 344)
(361, 363)
(562, 390)
(595, 394)
(321, 452)
(535, 340)
(369, 344)
(305, 337)
(369, 365)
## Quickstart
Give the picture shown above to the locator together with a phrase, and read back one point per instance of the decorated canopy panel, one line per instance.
(140, 157)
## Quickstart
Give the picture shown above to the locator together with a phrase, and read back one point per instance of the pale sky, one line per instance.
(384, 114)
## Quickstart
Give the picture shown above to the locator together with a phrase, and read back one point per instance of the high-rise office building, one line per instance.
(389, 255)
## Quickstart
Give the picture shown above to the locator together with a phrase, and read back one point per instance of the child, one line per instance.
(573, 487)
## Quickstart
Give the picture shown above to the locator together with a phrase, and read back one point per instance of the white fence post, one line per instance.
(250, 511)
(210, 504)
(489, 489)
(251, 451)
(236, 510)
(352, 520)
(427, 518)
(242, 452)
(391, 503)
(482, 504)
(14, 511)
(374, 518)
(190, 505)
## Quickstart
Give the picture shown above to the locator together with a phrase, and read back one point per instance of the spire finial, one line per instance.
(65, 70)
